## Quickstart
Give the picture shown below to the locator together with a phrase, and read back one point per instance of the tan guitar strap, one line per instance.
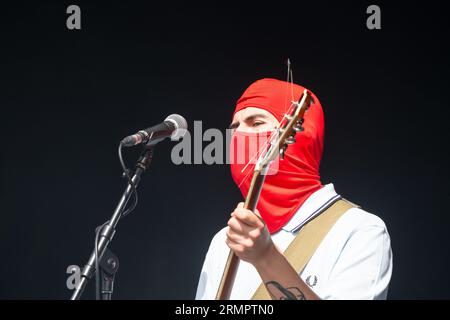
(302, 248)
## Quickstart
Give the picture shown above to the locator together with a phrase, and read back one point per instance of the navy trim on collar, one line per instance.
(322, 208)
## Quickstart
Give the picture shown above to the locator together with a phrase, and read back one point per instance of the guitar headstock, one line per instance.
(289, 126)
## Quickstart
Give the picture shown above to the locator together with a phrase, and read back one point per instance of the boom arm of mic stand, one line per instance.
(109, 230)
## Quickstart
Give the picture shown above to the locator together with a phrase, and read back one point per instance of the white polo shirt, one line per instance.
(354, 260)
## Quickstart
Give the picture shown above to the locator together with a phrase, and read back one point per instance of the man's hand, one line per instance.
(250, 240)
(248, 236)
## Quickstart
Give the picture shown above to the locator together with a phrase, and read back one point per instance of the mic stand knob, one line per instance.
(109, 264)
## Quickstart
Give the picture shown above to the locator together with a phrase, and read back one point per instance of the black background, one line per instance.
(68, 97)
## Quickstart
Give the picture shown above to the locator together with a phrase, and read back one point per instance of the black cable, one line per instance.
(125, 213)
(130, 181)
(97, 270)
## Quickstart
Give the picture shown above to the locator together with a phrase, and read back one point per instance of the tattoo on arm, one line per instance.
(279, 292)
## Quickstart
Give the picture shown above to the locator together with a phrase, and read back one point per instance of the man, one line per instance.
(354, 259)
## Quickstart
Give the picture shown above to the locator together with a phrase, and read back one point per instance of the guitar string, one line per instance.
(290, 80)
(264, 146)
(288, 65)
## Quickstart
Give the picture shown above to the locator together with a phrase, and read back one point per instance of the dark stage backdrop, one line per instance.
(68, 97)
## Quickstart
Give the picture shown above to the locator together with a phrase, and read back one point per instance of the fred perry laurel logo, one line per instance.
(311, 280)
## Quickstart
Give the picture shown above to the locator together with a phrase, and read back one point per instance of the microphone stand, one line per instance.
(108, 267)
(108, 231)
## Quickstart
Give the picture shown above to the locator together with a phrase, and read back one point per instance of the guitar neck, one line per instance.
(232, 264)
(290, 124)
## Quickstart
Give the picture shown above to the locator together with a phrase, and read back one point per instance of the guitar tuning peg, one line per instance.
(290, 140)
(311, 101)
(298, 128)
(283, 151)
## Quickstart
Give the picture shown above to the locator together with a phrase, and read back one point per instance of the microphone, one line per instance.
(174, 126)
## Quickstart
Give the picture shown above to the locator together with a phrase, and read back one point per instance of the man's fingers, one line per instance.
(237, 237)
(247, 217)
(237, 226)
(235, 246)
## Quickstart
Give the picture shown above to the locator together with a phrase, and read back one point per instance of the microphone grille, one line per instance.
(180, 123)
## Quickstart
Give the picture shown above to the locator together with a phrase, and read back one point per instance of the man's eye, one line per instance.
(257, 123)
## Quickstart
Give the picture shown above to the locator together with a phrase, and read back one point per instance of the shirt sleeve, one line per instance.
(203, 286)
(364, 266)
(207, 284)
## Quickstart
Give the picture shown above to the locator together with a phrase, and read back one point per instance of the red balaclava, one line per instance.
(297, 175)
